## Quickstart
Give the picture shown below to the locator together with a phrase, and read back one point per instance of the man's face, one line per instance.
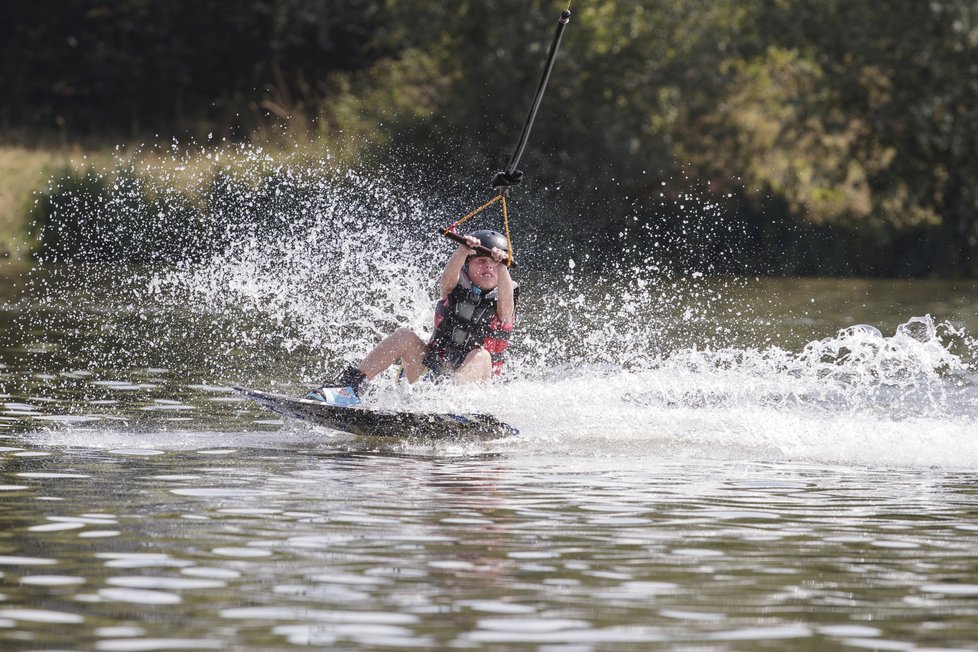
(484, 272)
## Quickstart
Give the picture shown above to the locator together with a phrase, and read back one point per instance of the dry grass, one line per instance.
(23, 171)
(26, 170)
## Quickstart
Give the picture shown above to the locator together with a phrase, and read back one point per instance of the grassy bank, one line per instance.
(153, 203)
(27, 173)
(36, 183)
(160, 202)
(23, 172)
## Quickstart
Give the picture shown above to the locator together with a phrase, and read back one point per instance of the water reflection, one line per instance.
(302, 546)
(737, 499)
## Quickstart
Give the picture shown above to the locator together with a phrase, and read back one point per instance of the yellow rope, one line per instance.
(499, 197)
(477, 211)
(509, 245)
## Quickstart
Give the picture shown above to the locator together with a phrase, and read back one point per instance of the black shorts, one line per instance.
(443, 362)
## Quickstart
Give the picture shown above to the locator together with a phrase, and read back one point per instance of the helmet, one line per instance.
(490, 239)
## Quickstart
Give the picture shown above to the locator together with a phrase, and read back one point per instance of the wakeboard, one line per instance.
(359, 420)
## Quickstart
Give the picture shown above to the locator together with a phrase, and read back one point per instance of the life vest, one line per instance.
(467, 320)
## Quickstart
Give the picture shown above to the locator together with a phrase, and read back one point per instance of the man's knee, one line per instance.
(476, 366)
(404, 339)
(404, 334)
(478, 363)
(479, 357)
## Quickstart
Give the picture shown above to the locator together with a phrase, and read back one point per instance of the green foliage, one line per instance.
(132, 67)
(841, 135)
(880, 139)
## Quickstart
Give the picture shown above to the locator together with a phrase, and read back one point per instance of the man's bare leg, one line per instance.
(401, 345)
(476, 367)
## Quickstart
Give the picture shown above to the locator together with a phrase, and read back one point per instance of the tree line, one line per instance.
(839, 137)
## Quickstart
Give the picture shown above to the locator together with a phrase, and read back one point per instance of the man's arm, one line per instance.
(505, 304)
(449, 276)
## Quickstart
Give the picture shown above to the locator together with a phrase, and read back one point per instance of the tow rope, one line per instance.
(510, 176)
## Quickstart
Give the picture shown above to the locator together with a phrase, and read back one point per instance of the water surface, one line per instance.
(751, 475)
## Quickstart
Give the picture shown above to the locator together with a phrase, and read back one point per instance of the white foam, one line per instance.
(634, 363)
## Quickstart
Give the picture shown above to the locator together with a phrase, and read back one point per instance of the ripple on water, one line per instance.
(879, 644)
(216, 573)
(452, 564)
(860, 631)
(9, 560)
(951, 589)
(691, 615)
(140, 560)
(531, 625)
(318, 635)
(98, 534)
(140, 596)
(348, 578)
(68, 418)
(736, 514)
(119, 631)
(136, 451)
(51, 580)
(21, 406)
(896, 545)
(696, 552)
(496, 607)
(55, 527)
(244, 553)
(225, 492)
(42, 616)
(320, 615)
(123, 385)
(250, 511)
(162, 405)
(170, 583)
(222, 389)
(375, 636)
(636, 589)
(148, 644)
(762, 633)
(325, 593)
(558, 631)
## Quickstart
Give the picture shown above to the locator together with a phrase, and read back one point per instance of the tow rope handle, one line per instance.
(450, 233)
(510, 177)
(479, 249)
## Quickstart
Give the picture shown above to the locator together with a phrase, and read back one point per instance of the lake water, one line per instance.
(703, 465)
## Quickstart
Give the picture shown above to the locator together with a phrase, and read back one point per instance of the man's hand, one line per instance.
(473, 242)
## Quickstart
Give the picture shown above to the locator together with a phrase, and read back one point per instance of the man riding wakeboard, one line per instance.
(474, 319)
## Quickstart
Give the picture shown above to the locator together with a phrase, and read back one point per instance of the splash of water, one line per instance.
(303, 268)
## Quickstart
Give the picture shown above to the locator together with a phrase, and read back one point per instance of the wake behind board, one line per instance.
(383, 423)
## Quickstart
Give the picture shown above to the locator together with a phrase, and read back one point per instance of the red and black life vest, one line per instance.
(467, 320)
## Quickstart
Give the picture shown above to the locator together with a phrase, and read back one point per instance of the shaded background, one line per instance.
(837, 137)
